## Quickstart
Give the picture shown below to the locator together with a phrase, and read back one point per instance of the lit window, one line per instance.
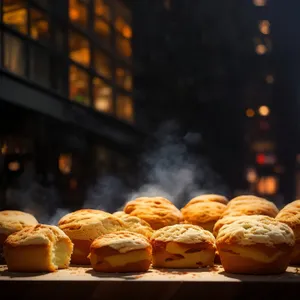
(78, 12)
(250, 113)
(39, 25)
(124, 78)
(261, 49)
(259, 2)
(102, 96)
(65, 163)
(39, 66)
(14, 166)
(79, 48)
(125, 108)
(102, 29)
(264, 110)
(102, 9)
(251, 175)
(270, 79)
(79, 85)
(123, 46)
(264, 27)
(123, 28)
(14, 54)
(267, 185)
(102, 64)
(15, 15)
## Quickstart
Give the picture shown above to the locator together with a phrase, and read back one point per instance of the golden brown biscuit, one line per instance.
(290, 215)
(183, 246)
(85, 225)
(225, 220)
(208, 198)
(12, 221)
(39, 248)
(255, 245)
(135, 224)
(156, 211)
(122, 251)
(204, 214)
(251, 206)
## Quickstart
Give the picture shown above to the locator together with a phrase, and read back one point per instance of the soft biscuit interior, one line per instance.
(60, 254)
(178, 256)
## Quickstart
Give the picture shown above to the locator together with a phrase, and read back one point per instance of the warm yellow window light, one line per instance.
(264, 110)
(250, 113)
(264, 26)
(261, 49)
(259, 2)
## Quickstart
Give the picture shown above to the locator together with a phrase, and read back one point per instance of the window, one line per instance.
(15, 15)
(79, 85)
(79, 48)
(102, 64)
(103, 31)
(123, 46)
(14, 54)
(124, 78)
(78, 12)
(65, 163)
(264, 26)
(123, 27)
(102, 96)
(39, 69)
(39, 26)
(259, 2)
(125, 108)
(123, 38)
(102, 9)
(261, 49)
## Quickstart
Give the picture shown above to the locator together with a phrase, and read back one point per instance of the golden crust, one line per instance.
(122, 241)
(88, 224)
(183, 233)
(156, 211)
(251, 206)
(244, 198)
(290, 215)
(251, 230)
(14, 220)
(203, 212)
(208, 198)
(135, 224)
(221, 222)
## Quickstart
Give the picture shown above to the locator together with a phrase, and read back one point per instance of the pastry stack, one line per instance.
(247, 234)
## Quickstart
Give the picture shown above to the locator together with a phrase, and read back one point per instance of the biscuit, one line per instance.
(250, 205)
(290, 215)
(156, 211)
(204, 214)
(255, 245)
(183, 246)
(85, 225)
(135, 224)
(208, 198)
(39, 248)
(12, 221)
(121, 251)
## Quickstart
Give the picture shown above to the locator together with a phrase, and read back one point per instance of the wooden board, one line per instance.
(84, 283)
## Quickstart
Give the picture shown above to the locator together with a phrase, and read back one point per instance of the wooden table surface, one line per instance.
(84, 283)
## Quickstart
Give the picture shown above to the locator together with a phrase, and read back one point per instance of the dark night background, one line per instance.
(168, 97)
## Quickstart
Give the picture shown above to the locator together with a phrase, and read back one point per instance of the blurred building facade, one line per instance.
(67, 115)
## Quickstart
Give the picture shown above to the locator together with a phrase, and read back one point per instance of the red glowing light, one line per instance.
(260, 159)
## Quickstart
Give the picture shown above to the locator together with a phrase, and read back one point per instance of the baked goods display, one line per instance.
(157, 211)
(12, 221)
(250, 205)
(39, 248)
(255, 245)
(135, 224)
(290, 215)
(183, 246)
(204, 214)
(84, 226)
(208, 198)
(121, 251)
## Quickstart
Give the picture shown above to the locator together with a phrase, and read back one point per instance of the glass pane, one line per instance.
(79, 85)
(125, 108)
(103, 31)
(14, 54)
(39, 70)
(123, 46)
(15, 14)
(102, 9)
(102, 96)
(78, 12)
(124, 78)
(123, 27)
(79, 48)
(102, 64)
(39, 26)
